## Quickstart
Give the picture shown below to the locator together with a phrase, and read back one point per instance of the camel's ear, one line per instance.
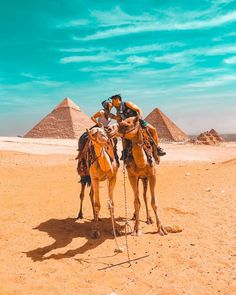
(89, 132)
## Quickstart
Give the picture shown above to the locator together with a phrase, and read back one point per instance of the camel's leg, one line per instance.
(97, 206)
(152, 184)
(80, 215)
(111, 185)
(145, 187)
(134, 183)
(91, 194)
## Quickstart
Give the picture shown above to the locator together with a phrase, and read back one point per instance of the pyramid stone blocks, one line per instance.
(166, 129)
(65, 121)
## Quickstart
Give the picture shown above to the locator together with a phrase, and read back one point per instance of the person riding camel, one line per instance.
(101, 118)
(129, 109)
(104, 116)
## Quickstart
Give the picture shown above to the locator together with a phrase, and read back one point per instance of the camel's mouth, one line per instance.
(111, 131)
(102, 138)
(125, 128)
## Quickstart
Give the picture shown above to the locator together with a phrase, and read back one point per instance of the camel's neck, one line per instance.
(102, 158)
(139, 155)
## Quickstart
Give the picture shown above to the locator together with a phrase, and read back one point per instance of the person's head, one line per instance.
(107, 105)
(116, 100)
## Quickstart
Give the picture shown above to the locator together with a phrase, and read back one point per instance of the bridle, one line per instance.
(94, 138)
(92, 142)
(134, 128)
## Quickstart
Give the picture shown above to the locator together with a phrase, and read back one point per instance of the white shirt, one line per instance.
(105, 122)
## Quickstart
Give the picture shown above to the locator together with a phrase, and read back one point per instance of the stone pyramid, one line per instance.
(209, 138)
(65, 121)
(167, 130)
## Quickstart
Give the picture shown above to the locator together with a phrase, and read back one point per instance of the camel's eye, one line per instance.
(93, 135)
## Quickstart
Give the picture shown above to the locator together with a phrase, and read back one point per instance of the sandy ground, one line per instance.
(45, 250)
(175, 152)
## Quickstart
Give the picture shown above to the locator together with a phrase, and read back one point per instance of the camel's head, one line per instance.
(112, 131)
(129, 126)
(98, 135)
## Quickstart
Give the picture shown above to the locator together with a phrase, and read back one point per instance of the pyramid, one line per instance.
(209, 138)
(166, 129)
(65, 121)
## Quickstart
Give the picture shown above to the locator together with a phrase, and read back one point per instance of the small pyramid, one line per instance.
(65, 121)
(209, 137)
(166, 129)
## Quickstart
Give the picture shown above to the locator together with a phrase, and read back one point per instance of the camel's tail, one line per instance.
(85, 180)
(173, 229)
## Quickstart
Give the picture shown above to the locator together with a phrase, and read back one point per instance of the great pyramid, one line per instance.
(167, 130)
(65, 121)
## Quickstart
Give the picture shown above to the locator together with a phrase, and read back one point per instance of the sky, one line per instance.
(179, 56)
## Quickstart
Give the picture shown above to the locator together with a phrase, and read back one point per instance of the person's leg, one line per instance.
(125, 144)
(153, 132)
(154, 135)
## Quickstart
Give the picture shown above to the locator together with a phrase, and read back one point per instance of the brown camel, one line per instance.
(102, 166)
(83, 171)
(138, 167)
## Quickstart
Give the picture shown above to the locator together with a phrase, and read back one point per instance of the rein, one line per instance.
(124, 133)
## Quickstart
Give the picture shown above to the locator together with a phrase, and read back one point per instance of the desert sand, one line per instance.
(45, 250)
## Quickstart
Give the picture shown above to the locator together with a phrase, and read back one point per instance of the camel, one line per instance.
(138, 167)
(102, 166)
(83, 172)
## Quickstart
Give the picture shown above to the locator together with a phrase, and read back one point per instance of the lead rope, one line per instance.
(118, 249)
(127, 225)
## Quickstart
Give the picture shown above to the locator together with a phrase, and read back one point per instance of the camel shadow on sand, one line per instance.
(63, 231)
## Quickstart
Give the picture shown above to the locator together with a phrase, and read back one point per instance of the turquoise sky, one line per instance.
(179, 56)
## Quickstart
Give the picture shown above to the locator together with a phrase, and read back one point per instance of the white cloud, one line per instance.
(102, 69)
(230, 60)
(35, 80)
(217, 81)
(117, 17)
(74, 23)
(137, 59)
(104, 54)
(154, 25)
(81, 49)
(149, 48)
(85, 58)
(188, 56)
(34, 77)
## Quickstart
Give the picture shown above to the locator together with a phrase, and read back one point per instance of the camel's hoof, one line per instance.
(99, 219)
(118, 232)
(137, 233)
(80, 216)
(149, 221)
(95, 234)
(161, 231)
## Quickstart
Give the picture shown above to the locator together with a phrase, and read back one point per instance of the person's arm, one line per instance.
(135, 108)
(114, 117)
(95, 116)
